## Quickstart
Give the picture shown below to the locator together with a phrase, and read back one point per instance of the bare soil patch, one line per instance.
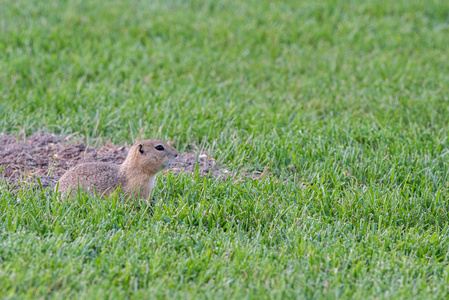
(48, 156)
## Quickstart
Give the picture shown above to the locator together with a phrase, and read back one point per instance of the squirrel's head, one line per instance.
(152, 156)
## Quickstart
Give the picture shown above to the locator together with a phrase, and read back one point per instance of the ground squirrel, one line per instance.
(135, 176)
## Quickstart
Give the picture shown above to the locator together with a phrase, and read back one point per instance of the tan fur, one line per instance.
(135, 176)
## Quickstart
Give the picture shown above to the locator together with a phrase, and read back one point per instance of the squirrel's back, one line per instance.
(105, 178)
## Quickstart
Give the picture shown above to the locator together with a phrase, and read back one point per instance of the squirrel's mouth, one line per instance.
(168, 163)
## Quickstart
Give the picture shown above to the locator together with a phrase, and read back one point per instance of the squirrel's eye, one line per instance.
(159, 147)
(140, 149)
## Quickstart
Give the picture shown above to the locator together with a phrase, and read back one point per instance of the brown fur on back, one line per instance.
(86, 176)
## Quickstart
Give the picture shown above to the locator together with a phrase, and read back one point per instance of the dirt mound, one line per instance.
(48, 156)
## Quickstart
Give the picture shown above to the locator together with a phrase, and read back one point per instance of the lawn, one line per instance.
(343, 105)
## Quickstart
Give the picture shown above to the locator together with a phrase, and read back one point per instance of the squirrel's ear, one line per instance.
(140, 147)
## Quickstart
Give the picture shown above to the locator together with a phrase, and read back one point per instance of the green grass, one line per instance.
(344, 104)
